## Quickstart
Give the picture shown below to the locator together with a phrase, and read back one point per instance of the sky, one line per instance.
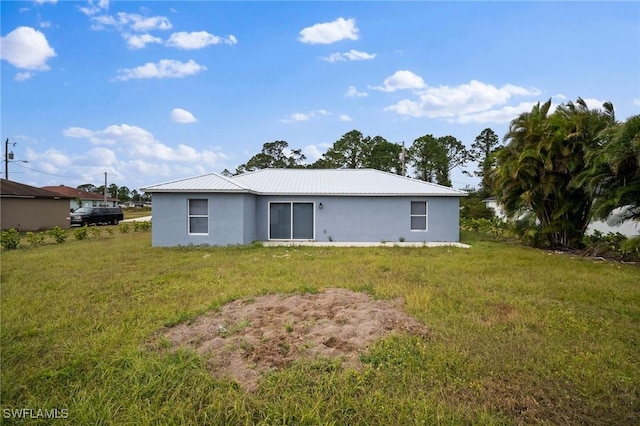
(150, 92)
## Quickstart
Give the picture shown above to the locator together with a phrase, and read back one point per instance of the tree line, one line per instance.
(121, 193)
(432, 158)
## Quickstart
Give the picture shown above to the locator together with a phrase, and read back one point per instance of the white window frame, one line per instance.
(291, 203)
(425, 215)
(190, 216)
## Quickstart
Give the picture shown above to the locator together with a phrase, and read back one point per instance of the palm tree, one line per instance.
(613, 172)
(537, 169)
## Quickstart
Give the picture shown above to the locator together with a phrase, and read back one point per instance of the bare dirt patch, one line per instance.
(249, 337)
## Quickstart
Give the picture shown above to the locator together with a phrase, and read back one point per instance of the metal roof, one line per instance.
(350, 182)
(211, 182)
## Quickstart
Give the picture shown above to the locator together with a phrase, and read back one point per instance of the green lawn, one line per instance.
(520, 336)
(136, 212)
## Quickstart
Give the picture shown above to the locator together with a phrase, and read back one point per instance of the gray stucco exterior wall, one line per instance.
(244, 218)
(371, 219)
(231, 220)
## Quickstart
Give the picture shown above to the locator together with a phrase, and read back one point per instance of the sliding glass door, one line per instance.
(290, 221)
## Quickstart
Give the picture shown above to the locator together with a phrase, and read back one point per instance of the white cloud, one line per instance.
(23, 76)
(26, 48)
(502, 115)
(101, 156)
(636, 101)
(345, 117)
(46, 1)
(45, 24)
(166, 68)
(140, 41)
(352, 55)
(295, 117)
(560, 96)
(330, 32)
(299, 116)
(198, 40)
(131, 21)
(141, 144)
(594, 103)
(180, 115)
(94, 7)
(401, 80)
(352, 92)
(313, 152)
(458, 101)
(53, 157)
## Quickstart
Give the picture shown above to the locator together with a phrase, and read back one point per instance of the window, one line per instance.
(290, 221)
(198, 216)
(418, 215)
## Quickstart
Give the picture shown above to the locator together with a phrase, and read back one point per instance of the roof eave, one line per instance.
(192, 190)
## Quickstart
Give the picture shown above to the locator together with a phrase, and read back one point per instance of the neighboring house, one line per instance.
(80, 198)
(628, 228)
(343, 205)
(492, 204)
(27, 208)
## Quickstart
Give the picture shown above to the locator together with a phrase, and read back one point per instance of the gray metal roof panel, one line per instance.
(352, 182)
(339, 182)
(211, 182)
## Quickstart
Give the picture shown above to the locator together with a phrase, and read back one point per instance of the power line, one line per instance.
(51, 174)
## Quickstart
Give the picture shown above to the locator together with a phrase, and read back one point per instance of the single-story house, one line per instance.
(343, 205)
(613, 224)
(27, 208)
(80, 198)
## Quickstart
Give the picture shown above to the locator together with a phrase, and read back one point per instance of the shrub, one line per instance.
(141, 226)
(494, 226)
(123, 228)
(35, 239)
(631, 246)
(58, 234)
(10, 239)
(81, 233)
(95, 231)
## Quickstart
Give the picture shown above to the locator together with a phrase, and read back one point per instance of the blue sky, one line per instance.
(154, 91)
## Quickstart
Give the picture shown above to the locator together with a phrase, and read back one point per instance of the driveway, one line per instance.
(138, 219)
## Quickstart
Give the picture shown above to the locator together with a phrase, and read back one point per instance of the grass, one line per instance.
(520, 336)
(136, 212)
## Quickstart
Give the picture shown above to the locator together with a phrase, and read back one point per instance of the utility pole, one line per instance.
(6, 159)
(7, 156)
(105, 189)
(403, 159)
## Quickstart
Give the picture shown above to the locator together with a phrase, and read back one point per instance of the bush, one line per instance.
(141, 226)
(81, 233)
(10, 239)
(494, 226)
(58, 234)
(123, 228)
(95, 231)
(612, 245)
(35, 239)
(631, 247)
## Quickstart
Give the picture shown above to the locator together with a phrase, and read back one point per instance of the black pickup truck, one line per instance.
(96, 215)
